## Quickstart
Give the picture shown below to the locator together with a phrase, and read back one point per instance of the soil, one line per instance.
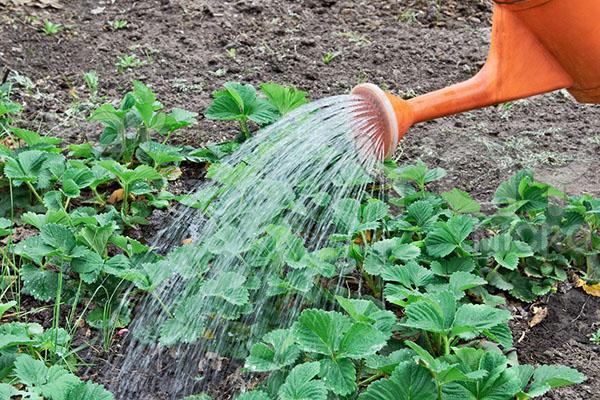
(563, 337)
(406, 46)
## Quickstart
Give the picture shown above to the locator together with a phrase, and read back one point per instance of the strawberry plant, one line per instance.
(133, 123)
(237, 102)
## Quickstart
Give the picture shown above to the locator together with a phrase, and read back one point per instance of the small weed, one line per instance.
(128, 61)
(362, 77)
(232, 53)
(355, 37)
(51, 28)
(408, 94)
(329, 57)
(91, 81)
(596, 337)
(182, 85)
(219, 72)
(409, 16)
(22, 80)
(117, 24)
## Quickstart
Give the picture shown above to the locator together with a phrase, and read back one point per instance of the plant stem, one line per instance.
(35, 193)
(167, 137)
(446, 345)
(244, 128)
(162, 304)
(56, 316)
(125, 204)
(371, 379)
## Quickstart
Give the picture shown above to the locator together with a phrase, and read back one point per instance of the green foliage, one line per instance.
(139, 112)
(50, 28)
(437, 262)
(128, 61)
(53, 383)
(73, 254)
(237, 102)
(426, 324)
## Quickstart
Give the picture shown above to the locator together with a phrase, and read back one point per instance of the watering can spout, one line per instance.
(538, 46)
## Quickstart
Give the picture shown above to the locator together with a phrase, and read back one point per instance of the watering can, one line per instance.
(538, 46)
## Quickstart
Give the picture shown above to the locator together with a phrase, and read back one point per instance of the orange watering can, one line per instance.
(538, 46)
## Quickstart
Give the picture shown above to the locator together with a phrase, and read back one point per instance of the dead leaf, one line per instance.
(187, 241)
(116, 196)
(539, 313)
(592, 290)
(97, 10)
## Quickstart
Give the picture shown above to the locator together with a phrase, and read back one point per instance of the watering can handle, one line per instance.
(518, 66)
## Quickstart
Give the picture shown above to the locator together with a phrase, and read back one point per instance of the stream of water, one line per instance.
(273, 198)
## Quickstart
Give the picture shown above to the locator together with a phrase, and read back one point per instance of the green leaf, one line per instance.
(339, 375)
(58, 237)
(40, 284)
(360, 341)
(474, 318)
(53, 200)
(285, 99)
(253, 395)
(5, 226)
(461, 202)
(29, 371)
(113, 121)
(276, 352)
(52, 383)
(406, 252)
(161, 153)
(523, 192)
(419, 174)
(228, 286)
(300, 384)
(548, 377)
(409, 381)
(434, 313)
(421, 214)
(97, 237)
(505, 250)
(500, 334)
(346, 215)
(4, 307)
(374, 210)
(127, 176)
(26, 166)
(497, 280)
(387, 364)
(89, 391)
(499, 382)
(411, 275)
(239, 102)
(448, 236)
(7, 391)
(88, 265)
(319, 331)
(462, 281)
(447, 267)
(33, 248)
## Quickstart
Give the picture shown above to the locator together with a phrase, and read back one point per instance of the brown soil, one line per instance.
(406, 46)
(563, 337)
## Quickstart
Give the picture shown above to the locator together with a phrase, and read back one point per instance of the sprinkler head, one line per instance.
(387, 118)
